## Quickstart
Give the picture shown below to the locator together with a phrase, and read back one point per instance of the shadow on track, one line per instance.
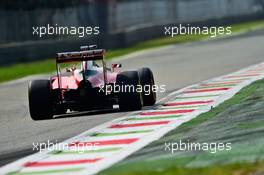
(87, 113)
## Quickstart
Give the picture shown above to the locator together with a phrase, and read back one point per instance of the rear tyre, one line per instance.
(128, 98)
(40, 100)
(147, 82)
(60, 111)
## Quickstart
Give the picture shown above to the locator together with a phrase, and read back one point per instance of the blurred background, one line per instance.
(122, 22)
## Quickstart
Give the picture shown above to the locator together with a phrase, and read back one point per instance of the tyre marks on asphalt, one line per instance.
(102, 146)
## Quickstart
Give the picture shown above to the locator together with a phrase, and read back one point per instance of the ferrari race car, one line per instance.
(83, 83)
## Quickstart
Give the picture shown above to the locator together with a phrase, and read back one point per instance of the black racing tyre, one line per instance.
(128, 98)
(60, 111)
(40, 100)
(147, 82)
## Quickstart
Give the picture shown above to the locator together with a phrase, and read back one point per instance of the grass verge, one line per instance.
(48, 65)
(245, 108)
(231, 169)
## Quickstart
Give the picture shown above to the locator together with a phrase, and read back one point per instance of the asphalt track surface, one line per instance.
(174, 66)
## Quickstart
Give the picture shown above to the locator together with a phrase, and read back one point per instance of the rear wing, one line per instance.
(86, 55)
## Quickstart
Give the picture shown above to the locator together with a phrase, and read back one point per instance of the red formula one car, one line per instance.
(84, 85)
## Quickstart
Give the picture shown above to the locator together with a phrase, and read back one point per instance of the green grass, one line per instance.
(48, 65)
(251, 125)
(180, 164)
(24, 69)
(231, 169)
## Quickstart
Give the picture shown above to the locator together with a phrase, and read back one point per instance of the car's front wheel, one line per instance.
(40, 100)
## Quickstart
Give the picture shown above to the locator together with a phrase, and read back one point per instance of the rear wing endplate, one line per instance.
(86, 55)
